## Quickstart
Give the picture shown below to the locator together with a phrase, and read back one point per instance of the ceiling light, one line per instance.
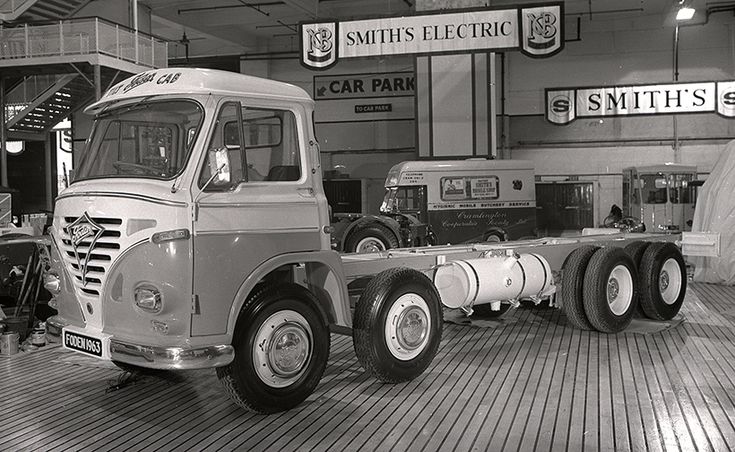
(685, 13)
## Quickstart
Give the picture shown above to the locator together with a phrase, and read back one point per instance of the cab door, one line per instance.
(255, 202)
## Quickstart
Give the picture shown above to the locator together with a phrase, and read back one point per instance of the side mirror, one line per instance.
(219, 167)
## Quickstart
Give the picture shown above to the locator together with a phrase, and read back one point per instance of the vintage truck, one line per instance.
(430, 202)
(195, 235)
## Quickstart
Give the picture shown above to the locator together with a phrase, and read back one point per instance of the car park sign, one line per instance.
(536, 30)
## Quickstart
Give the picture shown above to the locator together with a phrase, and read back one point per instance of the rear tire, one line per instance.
(572, 283)
(610, 290)
(663, 281)
(635, 250)
(281, 348)
(371, 239)
(398, 325)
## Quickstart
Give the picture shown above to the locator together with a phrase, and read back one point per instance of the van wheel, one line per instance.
(494, 237)
(397, 325)
(610, 290)
(484, 311)
(371, 239)
(281, 348)
(663, 281)
(572, 282)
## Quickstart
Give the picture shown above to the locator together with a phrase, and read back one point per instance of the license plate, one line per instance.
(83, 343)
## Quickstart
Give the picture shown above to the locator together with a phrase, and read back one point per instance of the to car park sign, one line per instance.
(536, 30)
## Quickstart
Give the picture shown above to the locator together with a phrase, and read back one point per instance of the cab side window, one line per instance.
(261, 145)
(271, 144)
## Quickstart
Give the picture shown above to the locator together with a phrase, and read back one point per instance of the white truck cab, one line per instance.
(185, 173)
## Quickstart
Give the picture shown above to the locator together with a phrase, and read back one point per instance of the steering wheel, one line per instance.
(135, 168)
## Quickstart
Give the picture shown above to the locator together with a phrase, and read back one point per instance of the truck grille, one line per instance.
(104, 252)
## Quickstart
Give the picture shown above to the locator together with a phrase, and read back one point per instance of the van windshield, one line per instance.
(406, 200)
(148, 139)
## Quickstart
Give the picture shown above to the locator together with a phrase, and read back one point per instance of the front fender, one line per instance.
(324, 272)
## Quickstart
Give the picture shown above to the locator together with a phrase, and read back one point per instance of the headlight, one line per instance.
(148, 298)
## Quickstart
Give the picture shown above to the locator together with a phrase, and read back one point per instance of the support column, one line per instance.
(97, 82)
(3, 137)
(455, 99)
(50, 175)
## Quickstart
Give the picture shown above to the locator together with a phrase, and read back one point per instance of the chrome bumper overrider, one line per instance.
(154, 357)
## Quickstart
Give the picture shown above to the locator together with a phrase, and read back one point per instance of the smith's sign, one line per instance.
(537, 31)
(564, 105)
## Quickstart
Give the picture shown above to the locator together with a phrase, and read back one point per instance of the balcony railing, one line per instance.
(82, 37)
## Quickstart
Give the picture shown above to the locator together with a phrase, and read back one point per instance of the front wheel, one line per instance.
(281, 348)
(398, 325)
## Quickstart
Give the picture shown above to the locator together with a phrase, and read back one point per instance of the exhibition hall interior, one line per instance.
(382, 225)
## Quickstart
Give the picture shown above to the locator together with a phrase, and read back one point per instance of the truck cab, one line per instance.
(194, 187)
(661, 196)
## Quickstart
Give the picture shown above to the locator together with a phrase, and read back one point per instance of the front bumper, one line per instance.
(155, 357)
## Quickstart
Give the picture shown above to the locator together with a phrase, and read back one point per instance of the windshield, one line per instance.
(408, 199)
(151, 139)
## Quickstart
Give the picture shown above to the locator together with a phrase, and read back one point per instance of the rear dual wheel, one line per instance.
(599, 288)
(610, 290)
(663, 281)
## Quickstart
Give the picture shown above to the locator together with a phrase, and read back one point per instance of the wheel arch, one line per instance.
(324, 278)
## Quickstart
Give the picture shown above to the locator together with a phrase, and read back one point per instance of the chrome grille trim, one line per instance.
(106, 250)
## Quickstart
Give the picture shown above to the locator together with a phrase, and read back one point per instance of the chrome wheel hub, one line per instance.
(670, 281)
(619, 290)
(283, 348)
(408, 326)
(369, 245)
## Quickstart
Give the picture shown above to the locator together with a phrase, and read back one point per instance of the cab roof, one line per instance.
(189, 81)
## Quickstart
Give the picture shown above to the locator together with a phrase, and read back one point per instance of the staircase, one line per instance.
(64, 95)
(18, 11)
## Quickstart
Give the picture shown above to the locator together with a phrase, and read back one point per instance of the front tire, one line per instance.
(281, 348)
(398, 325)
(663, 281)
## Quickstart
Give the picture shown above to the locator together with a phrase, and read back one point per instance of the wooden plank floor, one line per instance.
(529, 382)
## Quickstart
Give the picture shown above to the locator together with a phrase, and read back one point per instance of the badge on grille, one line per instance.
(80, 230)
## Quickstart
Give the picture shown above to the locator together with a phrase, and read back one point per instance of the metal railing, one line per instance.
(82, 37)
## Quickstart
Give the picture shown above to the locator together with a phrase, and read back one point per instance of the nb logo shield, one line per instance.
(318, 45)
